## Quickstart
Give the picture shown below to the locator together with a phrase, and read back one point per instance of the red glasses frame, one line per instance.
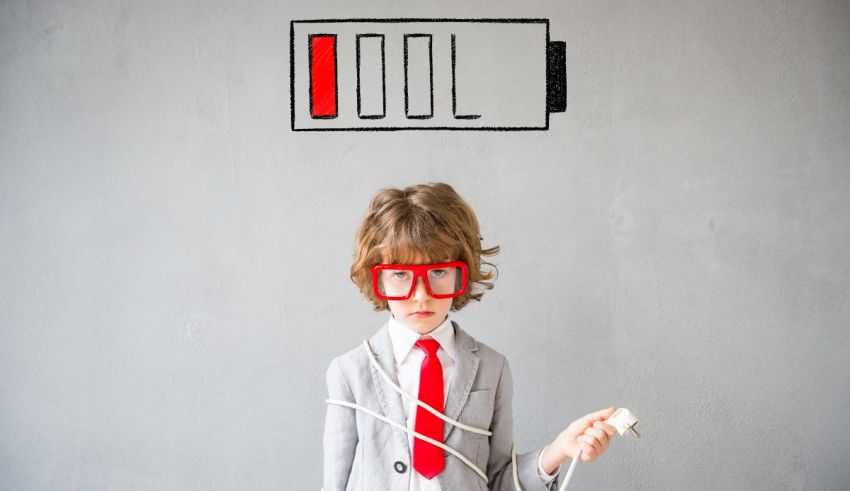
(420, 270)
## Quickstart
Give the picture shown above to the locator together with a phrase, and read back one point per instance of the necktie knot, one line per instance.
(429, 346)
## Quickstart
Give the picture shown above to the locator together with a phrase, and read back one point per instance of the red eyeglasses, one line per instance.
(397, 281)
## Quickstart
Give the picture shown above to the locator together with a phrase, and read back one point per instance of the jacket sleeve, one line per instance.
(500, 470)
(340, 436)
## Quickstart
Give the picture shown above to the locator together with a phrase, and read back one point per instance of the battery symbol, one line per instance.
(420, 74)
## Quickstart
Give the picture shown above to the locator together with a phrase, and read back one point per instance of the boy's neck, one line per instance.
(417, 332)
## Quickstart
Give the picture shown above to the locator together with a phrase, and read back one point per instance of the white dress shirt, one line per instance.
(408, 362)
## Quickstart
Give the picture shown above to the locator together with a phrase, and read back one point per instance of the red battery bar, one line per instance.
(323, 90)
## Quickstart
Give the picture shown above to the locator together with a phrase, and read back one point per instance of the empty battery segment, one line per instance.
(371, 73)
(418, 76)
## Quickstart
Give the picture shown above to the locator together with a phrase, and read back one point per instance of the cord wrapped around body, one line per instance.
(622, 419)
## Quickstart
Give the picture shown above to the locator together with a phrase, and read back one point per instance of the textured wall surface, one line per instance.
(174, 259)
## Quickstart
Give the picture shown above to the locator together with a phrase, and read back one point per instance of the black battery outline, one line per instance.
(555, 77)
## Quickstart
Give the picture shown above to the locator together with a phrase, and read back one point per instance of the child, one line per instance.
(418, 254)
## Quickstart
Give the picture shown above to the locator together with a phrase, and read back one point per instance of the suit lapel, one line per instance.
(466, 368)
(390, 399)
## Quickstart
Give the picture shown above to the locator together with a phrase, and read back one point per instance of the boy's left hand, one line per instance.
(587, 433)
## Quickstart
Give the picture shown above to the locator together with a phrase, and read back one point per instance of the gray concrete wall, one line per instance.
(174, 259)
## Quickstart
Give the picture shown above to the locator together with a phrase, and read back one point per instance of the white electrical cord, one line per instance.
(414, 433)
(433, 411)
(570, 470)
(622, 419)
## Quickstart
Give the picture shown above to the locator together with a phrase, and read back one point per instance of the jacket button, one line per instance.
(400, 467)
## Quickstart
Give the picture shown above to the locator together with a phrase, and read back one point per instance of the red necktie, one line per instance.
(427, 458)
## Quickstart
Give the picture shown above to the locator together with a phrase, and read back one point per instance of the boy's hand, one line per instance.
(587, 433)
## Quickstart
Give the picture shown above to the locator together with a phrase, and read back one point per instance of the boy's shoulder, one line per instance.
(487, 351)
(355, 356)
(350, 371)
(492, 363)
(482, 349)
(356, 360)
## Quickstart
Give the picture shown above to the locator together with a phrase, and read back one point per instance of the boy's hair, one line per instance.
(430, 220)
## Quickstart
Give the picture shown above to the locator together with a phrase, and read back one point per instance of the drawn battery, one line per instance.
(425, 74)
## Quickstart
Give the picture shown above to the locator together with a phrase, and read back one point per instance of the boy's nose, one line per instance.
(420, 292)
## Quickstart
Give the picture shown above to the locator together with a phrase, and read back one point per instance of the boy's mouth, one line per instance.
(422, 313)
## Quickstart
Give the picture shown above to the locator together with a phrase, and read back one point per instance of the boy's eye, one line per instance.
(438, 273)
(399, 275)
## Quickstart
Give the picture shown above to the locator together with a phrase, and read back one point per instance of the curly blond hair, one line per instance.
(428, 221)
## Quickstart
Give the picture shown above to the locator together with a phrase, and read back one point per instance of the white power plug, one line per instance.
(623, 420)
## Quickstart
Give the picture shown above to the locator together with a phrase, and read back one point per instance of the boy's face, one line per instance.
(407, 312)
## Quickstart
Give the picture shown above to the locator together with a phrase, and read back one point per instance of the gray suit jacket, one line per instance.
(364, 453)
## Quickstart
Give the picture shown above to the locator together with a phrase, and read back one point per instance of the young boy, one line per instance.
(418, 254)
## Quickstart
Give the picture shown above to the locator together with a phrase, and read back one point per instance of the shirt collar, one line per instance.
(403, 338)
